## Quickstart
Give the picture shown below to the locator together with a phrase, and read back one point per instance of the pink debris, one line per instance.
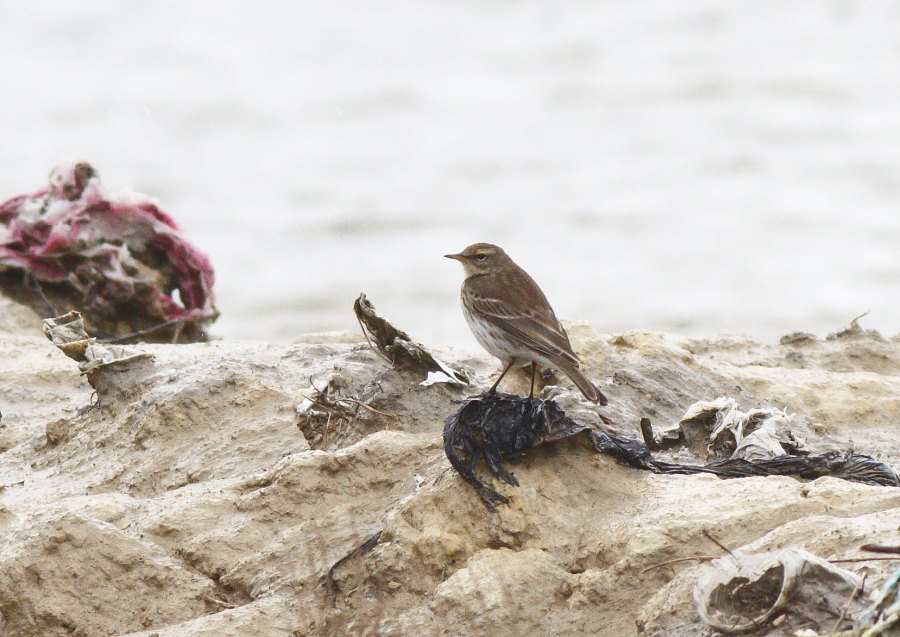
(118, 260)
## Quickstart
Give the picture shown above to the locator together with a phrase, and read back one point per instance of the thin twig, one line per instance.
(93, 401)
(328, 580)
(700, 558)
(647, 434)
(218, 602)
(709, 537)
(362, 328)
(368, 408)
(32, 282)
(322, 401)
(859, 317)
(372, 345)
(859, 585)
(142, 332)
(439, 476)
(313, 385)
(544, 495)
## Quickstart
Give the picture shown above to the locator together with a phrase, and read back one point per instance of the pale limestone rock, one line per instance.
(210, 491)
(495, 593)
(70, 572)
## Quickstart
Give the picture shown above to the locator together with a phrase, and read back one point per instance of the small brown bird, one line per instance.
(511, 318)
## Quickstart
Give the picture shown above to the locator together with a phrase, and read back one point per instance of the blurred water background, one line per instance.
(694, 166)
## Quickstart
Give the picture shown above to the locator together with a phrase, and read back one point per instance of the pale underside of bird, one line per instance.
(511, 318)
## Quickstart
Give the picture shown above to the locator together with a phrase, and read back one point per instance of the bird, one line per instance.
(512, 319)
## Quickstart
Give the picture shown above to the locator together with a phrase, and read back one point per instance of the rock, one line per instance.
(672, 608)
(38, 383)
(655, 344)
(246, 488)
(273, 616)
(67, 573)
(501, 588)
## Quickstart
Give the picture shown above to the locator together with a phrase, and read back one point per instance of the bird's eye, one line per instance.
(480, 257)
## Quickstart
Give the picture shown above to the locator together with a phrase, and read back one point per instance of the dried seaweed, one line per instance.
(493, 427)
(400, 349)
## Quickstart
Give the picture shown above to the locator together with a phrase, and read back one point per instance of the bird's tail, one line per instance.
(587, 388)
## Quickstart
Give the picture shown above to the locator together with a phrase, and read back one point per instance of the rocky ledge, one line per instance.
(247, 488)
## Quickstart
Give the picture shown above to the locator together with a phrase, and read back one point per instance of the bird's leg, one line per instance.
(493, 389)
(533, 370)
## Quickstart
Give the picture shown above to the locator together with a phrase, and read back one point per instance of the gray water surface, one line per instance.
(695, 167)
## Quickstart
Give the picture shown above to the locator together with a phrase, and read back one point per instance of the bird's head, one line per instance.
(481, 257)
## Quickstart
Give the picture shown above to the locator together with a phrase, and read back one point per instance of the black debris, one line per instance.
(495, 426)
(397, 346)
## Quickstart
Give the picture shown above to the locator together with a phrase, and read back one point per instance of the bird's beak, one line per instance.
(457, 257)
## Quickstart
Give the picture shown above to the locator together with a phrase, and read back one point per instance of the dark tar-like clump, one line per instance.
(495, 426)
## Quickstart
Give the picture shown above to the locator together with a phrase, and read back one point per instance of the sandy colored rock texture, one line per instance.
(208, 490)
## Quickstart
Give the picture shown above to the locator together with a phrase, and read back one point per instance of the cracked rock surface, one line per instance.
(209, 489)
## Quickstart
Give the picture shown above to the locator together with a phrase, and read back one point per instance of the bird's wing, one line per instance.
(516, 304)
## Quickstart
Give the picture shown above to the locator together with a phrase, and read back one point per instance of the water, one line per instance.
(693, 167)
